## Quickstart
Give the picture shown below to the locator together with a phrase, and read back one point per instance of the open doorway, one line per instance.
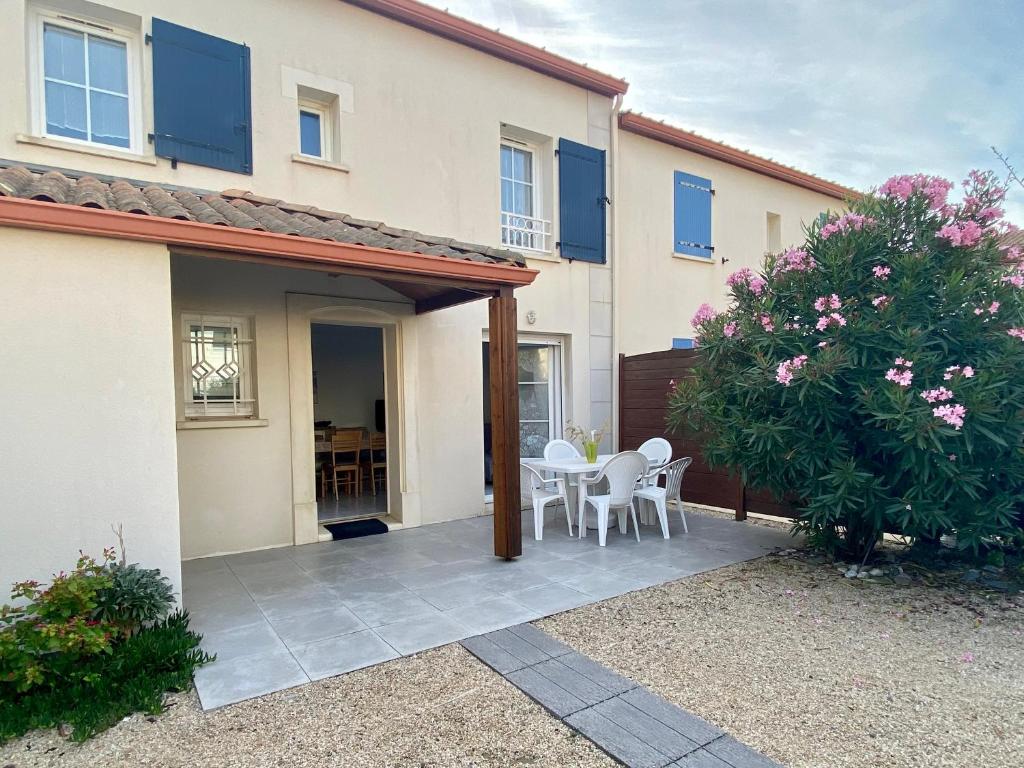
(349, 409)
(539, 367)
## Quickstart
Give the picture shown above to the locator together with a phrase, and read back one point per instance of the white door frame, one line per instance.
(399, 403)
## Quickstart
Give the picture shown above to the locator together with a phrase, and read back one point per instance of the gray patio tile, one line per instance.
(225, 682)
(568, 568)
(283, 586)
(448, 553)
(226, 617)
(324, 558)
(277, 570)
(400, 562)
(281, 606)
(251, 640)
(739, 755)
(550, 599)
(604, 584)
(700, 758)
(540, 640)
(548, 694)
(613, 682)
(338, 655)
(521, 649)
(489, 615)
(423, 632)
(433, 575)
(458, 593)
(258, 556)
(310, 626)
(651, 574)
(203, 565)
(608, 558)
(653, 733)
(491, 654)
(692, 727)
(341, 574)
(368, 590)
(615, 740)
(580, 686)
(400, 606)
(516, 577)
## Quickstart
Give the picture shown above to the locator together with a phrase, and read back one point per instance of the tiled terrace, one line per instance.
(282, 617)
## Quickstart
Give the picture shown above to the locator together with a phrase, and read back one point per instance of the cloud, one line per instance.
(851, 91)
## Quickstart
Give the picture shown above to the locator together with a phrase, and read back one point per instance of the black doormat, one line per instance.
(356, 528)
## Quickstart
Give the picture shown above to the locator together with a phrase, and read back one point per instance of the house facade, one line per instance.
(172, 182)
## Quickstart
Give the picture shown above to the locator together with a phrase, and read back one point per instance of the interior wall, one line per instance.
(348, 362)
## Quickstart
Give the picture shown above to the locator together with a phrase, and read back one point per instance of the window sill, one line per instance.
(317, 162)
(698, 259)
(222, 423)
(85, 149)
(538, 255)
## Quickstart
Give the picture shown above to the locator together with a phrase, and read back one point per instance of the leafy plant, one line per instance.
(875, 372)
(132, 677)
(136, 596)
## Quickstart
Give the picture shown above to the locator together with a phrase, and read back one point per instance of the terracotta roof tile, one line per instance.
(235, 208)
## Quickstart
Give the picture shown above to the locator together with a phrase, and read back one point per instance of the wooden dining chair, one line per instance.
(376, 462)
(346, 445)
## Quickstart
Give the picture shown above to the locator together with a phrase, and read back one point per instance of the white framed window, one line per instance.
(522, 225)
(85, 81)
(316, 131)
(539, 366)
(218, 366)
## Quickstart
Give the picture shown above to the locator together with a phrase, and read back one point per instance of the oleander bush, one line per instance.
(92, 647)
(876, 373)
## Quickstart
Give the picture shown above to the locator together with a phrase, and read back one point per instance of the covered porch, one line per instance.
(282, 617)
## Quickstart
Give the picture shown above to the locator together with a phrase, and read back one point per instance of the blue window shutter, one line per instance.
(692, 202)
(581, 202)
(201, 99)
(682, 344)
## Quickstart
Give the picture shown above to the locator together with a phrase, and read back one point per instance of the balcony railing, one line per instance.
(525, 232)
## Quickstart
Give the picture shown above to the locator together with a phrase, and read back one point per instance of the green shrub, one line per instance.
(876, 372)
(135, 597)
(132, 677)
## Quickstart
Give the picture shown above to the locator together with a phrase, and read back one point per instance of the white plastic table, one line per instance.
(573, 468)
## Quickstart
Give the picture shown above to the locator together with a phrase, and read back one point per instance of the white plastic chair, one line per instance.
(542, 496)
(623, 471)
(658, 451)
(651, 491)
(560, 449)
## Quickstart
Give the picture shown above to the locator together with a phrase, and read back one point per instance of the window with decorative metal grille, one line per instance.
(218, 365)
(521, 226)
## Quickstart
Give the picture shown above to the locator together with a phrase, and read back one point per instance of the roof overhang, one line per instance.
(501, 46)
(667, 134)
(432, 282)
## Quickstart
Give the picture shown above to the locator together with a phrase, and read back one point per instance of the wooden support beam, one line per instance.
(504, 384)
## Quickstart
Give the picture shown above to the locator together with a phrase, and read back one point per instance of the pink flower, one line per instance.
(937, 395)
(705, 312)
(784, 374)
(882, 273)
(1017, 333)
(881, 301)
(991, 213)
(967, 372)
(833, 318)
(993, 307)
(1016, 280)
(934, 188)
(965, 234)
(822, 344)
(903, 378)
(794, 260)
(846, 223)
(904, 362)
(746, 278)
(729, 330)
(951, 414)
(766, 323)
(952, 457)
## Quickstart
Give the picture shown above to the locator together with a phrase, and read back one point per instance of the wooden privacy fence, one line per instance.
(644, 383)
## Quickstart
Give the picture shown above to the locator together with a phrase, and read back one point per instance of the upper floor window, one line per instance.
(86, 81)
(692, 215)
(521, 225)
(318, 118)
(773, 235)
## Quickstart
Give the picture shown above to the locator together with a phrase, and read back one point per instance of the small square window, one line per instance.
(317, 123)
(217, 364)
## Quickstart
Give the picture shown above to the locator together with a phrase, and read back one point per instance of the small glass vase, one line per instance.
(590, 449)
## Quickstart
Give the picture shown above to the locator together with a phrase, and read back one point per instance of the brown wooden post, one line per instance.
(504, 345)
(741, 498)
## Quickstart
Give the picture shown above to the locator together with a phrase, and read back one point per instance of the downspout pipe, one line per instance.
(613, 128)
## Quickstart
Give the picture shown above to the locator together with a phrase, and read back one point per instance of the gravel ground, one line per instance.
(817, 671)
(439, 708)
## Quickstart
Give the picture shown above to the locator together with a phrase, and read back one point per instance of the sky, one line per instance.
(854, 91)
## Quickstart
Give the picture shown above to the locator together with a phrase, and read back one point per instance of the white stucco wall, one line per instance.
(659, 291)
(87, 425)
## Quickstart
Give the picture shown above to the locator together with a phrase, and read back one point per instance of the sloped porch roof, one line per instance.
(432, 271)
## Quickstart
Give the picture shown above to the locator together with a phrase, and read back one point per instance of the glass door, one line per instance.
(539, 397)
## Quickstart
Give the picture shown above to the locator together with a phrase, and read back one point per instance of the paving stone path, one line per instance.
(633, 725)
